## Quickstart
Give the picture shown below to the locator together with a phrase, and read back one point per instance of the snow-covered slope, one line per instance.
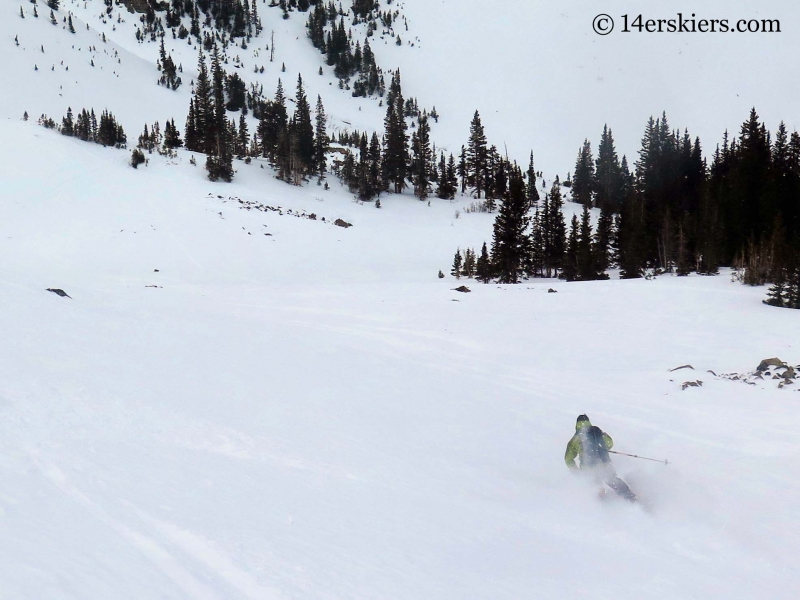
(537, 72)
(313, 414)
(124, 76)
(221, 413)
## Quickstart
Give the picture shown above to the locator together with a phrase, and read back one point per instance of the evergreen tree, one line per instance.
(462, 169)
(469, 263)
(303, 129)
(219, 140)
(535, 252)
(321, 142)
(777, 294)
(531, 192)
(236, 93)
(583, 182)
(452, 177)
(682, 264)
(67, 124)
(666, 243)
(632, 257)
(137, 158)
(169, 72)
(455, 271)
(476, 156)
(203, 108)
(362, 8)
(554, 230)
(172, 137)
(509, 241)
(649, 188)
(793, 284)
(447, 179)
(569, 271)
(395, 159)
(609, 182)
(272, 127)
(374, 175)
(243, 138)
(587, 268)
(421, 160)
(220, 119)
(192, 138)
(603, 240)
(483, 266)
(710, 244)
(751, 211)
(442, 190)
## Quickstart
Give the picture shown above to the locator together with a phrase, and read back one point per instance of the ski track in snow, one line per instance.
(149, 547)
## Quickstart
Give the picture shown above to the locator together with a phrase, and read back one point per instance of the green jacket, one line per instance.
(575, 446)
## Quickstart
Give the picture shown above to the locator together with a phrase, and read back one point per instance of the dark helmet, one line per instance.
(582, 418)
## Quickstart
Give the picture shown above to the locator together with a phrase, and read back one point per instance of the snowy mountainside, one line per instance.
(539, 75)
(311, 415)
(240, 402)
(125, 73)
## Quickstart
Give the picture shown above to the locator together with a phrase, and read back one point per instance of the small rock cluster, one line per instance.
(252, 205)
(688, 384)
(768, 369)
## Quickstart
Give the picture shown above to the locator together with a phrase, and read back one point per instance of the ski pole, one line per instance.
(666, 462)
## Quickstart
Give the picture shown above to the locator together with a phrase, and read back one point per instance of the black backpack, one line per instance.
(594, 447)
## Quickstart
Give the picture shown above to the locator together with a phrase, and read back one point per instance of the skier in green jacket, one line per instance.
(590, 445)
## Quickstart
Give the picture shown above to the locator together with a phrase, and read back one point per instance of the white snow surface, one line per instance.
(314, 414)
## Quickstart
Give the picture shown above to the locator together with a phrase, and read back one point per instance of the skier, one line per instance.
(591, 445)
